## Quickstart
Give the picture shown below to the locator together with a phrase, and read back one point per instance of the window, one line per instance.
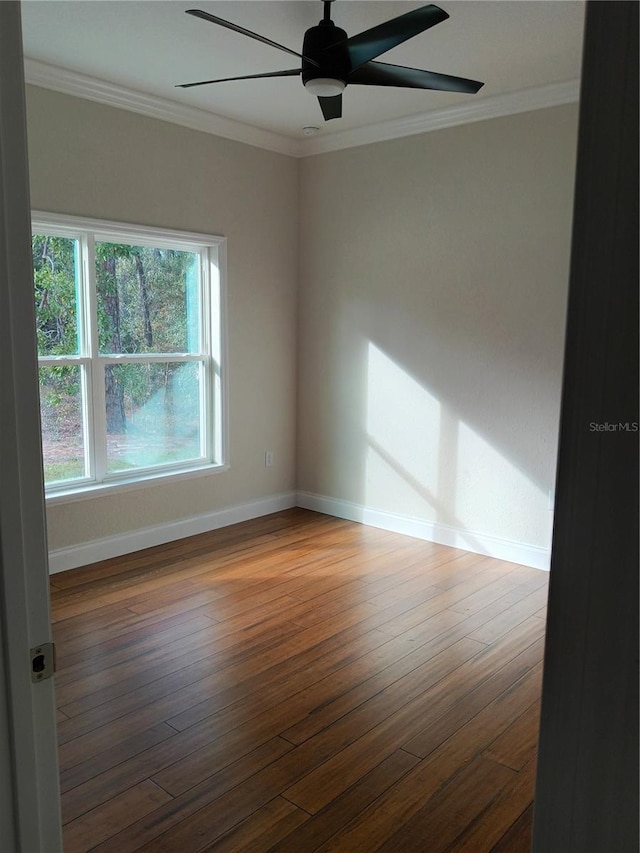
(129, 331)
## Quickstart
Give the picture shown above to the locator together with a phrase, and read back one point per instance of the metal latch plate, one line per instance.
(42, 661)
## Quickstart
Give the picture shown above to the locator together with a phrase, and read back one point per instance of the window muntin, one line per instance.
(129, 333)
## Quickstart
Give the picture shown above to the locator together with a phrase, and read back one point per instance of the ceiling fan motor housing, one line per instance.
(333, 64)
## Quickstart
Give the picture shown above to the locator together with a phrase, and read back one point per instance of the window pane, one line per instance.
(62, 423)
(147, 299)
(56, 292)
(153, 414)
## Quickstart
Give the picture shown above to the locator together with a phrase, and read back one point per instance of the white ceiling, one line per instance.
(150, 46)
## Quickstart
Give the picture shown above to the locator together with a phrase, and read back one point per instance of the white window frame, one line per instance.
(213, 389)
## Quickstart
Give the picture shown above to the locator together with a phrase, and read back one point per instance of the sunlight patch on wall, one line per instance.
(403, 430)
(424, 462)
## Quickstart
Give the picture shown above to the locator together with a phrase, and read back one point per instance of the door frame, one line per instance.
(31, 805)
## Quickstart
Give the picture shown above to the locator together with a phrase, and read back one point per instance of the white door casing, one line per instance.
(29, 789)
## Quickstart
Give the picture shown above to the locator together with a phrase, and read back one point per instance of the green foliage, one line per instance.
(60, 400)
(55, 295)
(66, 470)
(146, 302)
(143, 298)
(144, 306)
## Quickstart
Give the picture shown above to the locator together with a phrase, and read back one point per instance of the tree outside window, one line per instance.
(129, 345)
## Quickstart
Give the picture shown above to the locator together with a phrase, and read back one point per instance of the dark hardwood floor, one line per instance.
(298, 683)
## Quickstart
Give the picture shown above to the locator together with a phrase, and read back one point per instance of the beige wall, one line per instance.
(432, 283)
(434, 274)
(88, 159)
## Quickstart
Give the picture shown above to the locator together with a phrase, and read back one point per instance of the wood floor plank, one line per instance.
(152, 582)
(150, 827)
(334, 701)
(213, 821)
(85, 832)
(334, 740)
(298, 683)
(493, 590)
(517, 745)
(243, 729)
(518, 838)
(318, 673)
(95, 643)
(446, 718)
(410, 617)
(494, 822)
(193, 659)
(261, 830)
(425, 560)
(396, 807)
(532, 579)
(173, 699)
(375, 729)
(521, 611)
(207, 654)
(330, 820)
(465, 566)
(456, 805)
(78, 665)
(112, 755)
(83, 624)
(393, 731)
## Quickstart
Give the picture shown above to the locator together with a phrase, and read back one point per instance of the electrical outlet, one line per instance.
(268, 458)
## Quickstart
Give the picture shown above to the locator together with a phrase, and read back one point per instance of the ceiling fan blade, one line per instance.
(198, 13)
(377, 40)
(384, 74)
(293, 72)
(331, 107)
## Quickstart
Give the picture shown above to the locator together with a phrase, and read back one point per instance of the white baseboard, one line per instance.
(86, 553)
(63, 559)
(478, 543)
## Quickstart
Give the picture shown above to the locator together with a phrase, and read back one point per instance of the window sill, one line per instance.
(84, 492)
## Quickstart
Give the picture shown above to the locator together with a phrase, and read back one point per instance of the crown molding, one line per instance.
(494, 106)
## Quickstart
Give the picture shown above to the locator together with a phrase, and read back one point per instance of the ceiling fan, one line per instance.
(331, 60)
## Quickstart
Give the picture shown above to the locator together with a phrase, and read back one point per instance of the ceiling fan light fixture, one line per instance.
(331, 60)
(325, 87)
